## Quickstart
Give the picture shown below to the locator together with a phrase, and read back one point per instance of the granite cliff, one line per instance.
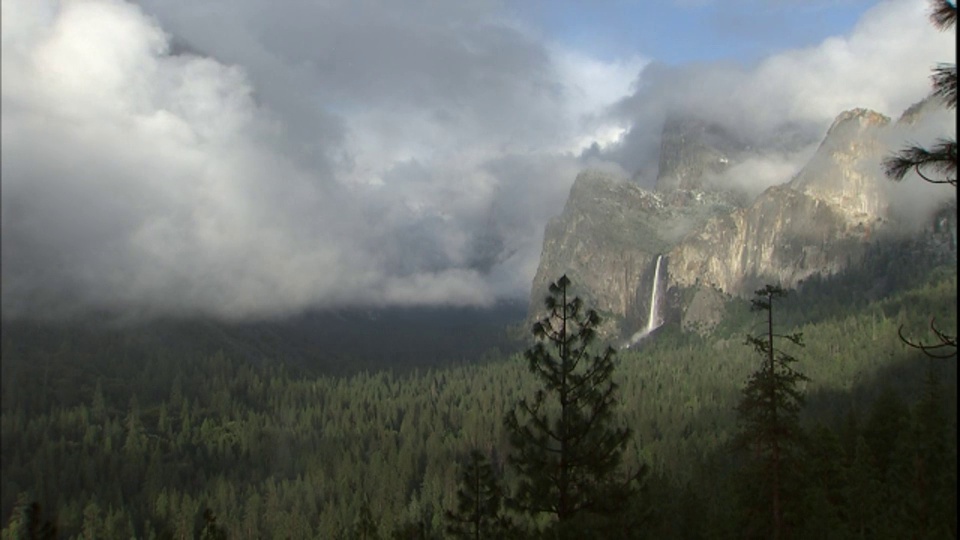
(607, 240)
(816, 223)
(611, 231)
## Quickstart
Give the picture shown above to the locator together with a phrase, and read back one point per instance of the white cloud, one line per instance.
(152, 182)
(590, 87)
(884, 65)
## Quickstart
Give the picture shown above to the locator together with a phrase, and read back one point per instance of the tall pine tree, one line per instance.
(567, 448)
(768, 412)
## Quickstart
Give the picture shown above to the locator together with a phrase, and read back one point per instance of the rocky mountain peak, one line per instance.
(692, 149)
(855, 121)
(845, 170)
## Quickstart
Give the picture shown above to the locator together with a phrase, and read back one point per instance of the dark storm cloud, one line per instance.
(240, 160)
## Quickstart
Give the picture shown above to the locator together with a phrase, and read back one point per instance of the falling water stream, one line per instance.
(653, 319)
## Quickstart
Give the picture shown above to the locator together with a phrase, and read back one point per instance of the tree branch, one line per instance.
(944, 348)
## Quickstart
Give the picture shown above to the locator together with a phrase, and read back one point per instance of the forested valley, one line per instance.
(103, 439)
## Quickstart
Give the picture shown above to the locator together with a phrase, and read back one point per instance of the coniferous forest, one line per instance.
(105, 439)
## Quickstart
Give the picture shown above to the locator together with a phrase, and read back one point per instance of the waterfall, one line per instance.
(653, 319)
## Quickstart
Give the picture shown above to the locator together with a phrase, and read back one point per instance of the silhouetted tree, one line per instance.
(768, 410)
(567, 450)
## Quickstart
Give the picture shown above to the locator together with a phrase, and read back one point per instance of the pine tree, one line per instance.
(937, 165)
(92, 521)
(942, 157)
(567, 450)
(769, 411)
(479, 501)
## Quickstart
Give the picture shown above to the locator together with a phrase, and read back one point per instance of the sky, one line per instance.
(249, 158)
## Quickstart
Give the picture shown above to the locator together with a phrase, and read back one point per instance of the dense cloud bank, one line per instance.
(239, 160)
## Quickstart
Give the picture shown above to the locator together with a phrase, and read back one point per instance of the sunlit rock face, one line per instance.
(819, 222)
(783, 237)
(845, 171)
